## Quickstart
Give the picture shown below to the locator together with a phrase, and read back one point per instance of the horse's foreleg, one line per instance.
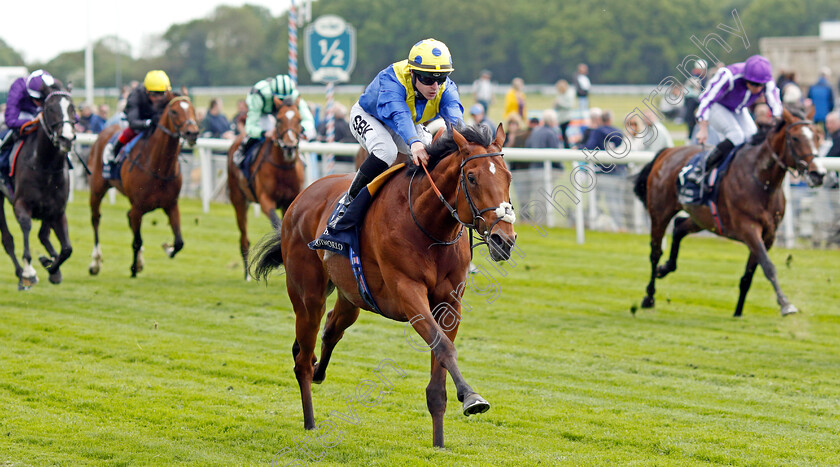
(444, 351)
(746, 282)
(62, 233)
(240, 205)
(339, 319)
(175, 222)
(8, 240)
(757, 247)
(657, 231)
(135, 219)
(269, 208)
(682, 228)
(95, 216)
(44, 237)
(28, 277)
(436, 395)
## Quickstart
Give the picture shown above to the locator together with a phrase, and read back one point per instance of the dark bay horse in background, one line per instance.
(276, 175)
(751, 202)
(150, 177)
(412, 253)
(42, 185)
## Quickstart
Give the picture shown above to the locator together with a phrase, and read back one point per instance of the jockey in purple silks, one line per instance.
(724, 104)
(22, 106)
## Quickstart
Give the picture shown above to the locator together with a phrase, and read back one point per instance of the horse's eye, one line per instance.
(471, 178)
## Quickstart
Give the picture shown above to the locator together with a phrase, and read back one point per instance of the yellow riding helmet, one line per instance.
(156, 80)
(430, 55)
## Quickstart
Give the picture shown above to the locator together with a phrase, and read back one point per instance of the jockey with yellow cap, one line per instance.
(388, 117)
(140, 110)
(259, 122)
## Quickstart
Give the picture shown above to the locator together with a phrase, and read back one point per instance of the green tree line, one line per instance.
(540, 41)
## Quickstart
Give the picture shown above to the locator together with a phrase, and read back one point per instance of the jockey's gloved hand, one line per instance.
(147, 123)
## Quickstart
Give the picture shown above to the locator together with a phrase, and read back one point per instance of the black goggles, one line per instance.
(429, 80)
(156, 93)
(753, 83)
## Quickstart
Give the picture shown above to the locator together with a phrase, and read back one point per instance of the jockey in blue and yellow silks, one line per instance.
(389, 115)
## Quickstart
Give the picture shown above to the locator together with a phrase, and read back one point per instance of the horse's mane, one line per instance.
(446, 145)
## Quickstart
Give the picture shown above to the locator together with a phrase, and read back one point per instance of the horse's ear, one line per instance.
(500, 136)
(811, 111)
(277, 102)
(69, 86)
(297, 101)
(787, 116)
(438, 134)
(459, 140)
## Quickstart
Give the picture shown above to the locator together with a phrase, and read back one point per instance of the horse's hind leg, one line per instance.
(306, 283)
(175, 222)
(683, 226)
(8, 240)
(269, 208)
(29, 277)
(340, 318)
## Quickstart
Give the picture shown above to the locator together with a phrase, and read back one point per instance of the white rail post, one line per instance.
(548, 189)
(579, 222)
(205, 156)
(789, 214)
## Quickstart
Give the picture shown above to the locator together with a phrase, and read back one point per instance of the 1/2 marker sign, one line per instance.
(330, 49)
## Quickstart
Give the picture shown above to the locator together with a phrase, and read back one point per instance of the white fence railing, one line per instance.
(537, 185)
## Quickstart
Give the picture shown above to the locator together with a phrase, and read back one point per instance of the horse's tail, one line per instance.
(267, 256)
(640, 187)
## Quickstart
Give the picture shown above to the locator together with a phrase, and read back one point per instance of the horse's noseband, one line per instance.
(504, 212)
(800, 164)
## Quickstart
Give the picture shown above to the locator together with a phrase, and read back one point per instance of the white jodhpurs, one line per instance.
(736, 127)
(378, 139)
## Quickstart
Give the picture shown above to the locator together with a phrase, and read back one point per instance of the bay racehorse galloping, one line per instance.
(412, 253)
(42, 185)
(150, 177)
(275, 176)
(750, 203)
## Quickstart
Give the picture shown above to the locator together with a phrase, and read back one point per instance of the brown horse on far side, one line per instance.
(413, 254)
(750, 203)
(276, 175)
(150, 177)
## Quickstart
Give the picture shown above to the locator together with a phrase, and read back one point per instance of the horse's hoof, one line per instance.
(23, 287)
(27, 282)
(662, 271)
(475, 404)
(168, 249)
(647, 302)
(55, 278)
(789, 309)
(93, 270)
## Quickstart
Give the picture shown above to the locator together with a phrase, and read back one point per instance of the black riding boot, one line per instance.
(718, 154)
(242, 151)
(370, 169)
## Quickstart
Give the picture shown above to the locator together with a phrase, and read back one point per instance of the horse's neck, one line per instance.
(435, 217)
(769, 174)
(45, 154)
(163, 148)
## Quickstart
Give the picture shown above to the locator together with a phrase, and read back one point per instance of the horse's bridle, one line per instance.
(503, 211)
(50, 127)
(287, 149)
(176, 132)
(801, 165)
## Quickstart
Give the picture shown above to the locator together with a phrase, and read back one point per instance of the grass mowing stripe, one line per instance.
(190, 364)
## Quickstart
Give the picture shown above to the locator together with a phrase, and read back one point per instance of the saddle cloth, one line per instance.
(111, 171)
(691, 180)
(344, 239)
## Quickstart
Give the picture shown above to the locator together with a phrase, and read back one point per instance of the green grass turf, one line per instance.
(190, 364)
